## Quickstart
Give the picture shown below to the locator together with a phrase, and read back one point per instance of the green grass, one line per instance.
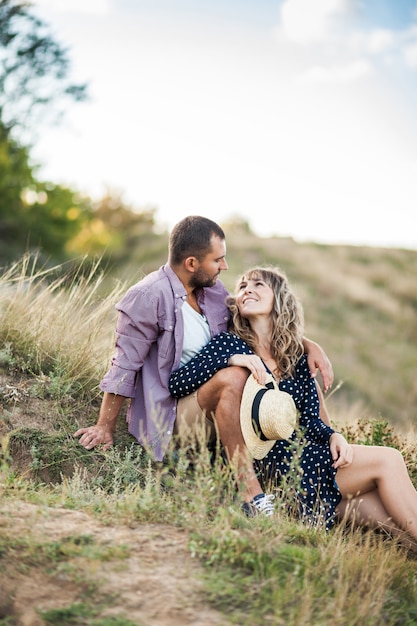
(56, 336)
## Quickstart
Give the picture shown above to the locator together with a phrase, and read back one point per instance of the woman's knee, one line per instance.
(394, 457)
(386, 458)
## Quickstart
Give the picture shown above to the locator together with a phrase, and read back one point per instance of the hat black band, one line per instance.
(255, 410)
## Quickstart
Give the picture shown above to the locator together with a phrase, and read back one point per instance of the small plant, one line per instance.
(81, 615)
(372, 432)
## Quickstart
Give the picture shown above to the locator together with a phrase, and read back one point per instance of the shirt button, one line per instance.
(168, 432)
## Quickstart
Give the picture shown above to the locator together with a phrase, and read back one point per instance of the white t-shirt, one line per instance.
(196, 332)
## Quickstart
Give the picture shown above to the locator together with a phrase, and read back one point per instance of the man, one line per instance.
(163, 321)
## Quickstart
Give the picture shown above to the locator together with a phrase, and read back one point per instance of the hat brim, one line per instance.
(284, 417)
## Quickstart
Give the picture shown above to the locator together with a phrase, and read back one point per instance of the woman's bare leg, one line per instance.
(378, 488)
(221, 396)
(368, 511)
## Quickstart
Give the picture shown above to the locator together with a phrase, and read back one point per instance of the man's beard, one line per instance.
(202, 279)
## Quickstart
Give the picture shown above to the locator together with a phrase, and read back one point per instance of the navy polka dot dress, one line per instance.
(301, 467)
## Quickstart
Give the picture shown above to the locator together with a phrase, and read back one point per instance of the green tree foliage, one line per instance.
(58, 223)
(55, 221)
(54, 215)
(35, 215)
(15, 175)
(119, 233)
(34, 68)
(34, 85)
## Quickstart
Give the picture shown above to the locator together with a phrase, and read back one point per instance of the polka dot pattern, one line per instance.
(213, 357)
(301, 468)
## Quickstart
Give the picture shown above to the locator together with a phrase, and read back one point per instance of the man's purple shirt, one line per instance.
(149, 341)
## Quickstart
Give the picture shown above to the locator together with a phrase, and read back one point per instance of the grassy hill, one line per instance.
(114, 539)
(360, 305)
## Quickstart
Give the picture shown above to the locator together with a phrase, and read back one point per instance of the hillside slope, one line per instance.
(361, 306)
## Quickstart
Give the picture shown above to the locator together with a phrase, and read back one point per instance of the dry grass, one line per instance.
(57, 325)
(251, 572)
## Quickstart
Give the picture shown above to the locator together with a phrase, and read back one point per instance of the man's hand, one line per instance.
(102, 432)
(318, 360)
(94, 436)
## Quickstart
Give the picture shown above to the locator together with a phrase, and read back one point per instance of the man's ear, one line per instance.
(191, 263)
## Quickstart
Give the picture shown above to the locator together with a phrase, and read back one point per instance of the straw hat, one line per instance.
(266, 415)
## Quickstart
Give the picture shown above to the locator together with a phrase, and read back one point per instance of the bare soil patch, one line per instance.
(155, 582)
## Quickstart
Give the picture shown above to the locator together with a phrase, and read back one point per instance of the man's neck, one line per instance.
(184, 278)
(192, 301)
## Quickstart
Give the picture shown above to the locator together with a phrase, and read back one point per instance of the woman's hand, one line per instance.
(342, 452)
(253, 363)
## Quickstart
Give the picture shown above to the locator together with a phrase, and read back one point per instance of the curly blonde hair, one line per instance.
(287, 316)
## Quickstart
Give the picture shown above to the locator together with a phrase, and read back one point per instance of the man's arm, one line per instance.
(324, 414)
(102, 432)
(133, 341)
(318, 360)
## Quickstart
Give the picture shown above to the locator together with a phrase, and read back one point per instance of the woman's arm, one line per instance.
(214, 356)
(308, 404)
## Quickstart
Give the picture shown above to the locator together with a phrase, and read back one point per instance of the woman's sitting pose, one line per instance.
(330, 478)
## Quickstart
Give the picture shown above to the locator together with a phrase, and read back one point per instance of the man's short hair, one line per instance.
(192, 237)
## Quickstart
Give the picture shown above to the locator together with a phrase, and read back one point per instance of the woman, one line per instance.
(331, 478)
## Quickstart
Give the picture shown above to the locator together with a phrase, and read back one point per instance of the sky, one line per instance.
(298, 116)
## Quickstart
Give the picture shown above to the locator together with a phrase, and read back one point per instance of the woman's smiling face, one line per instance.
(254, 297)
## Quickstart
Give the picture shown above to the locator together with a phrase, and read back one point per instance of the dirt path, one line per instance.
(157, 584)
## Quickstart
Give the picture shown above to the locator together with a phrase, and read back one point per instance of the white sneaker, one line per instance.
(262, 504)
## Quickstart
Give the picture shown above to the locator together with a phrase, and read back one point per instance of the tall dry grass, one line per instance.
(262, 571)
(57, 324)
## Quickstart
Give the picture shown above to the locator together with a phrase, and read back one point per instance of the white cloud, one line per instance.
(305, 22)
(214, 122)
(410, 55)
(410, 47)
(380, 40)
(336, 74)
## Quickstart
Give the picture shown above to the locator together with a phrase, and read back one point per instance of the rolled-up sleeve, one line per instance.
(132, 344)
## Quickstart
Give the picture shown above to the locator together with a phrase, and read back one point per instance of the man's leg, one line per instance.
(220, 397)
(192, 426)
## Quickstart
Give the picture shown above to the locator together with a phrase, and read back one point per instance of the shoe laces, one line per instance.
(265, 504)
(260, 505)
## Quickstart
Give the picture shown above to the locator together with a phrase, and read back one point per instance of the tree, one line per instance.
(118, 232)
(54, 221)
(15, 175)
(35, 215)
(34, 81)
(34, 69)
